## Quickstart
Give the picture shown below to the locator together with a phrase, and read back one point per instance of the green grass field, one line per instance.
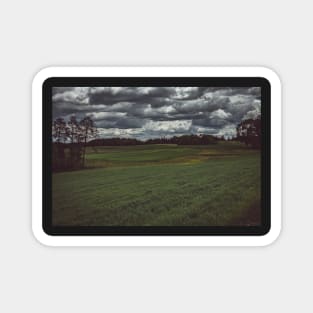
(161, 185)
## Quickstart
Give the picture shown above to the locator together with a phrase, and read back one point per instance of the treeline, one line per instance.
(114, 142)
(185, 140)
(178, 140)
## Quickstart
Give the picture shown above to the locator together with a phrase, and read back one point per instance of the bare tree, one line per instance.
(74, 130)
(87, 130)
(70, 141)
(60, 130)
(249, 132)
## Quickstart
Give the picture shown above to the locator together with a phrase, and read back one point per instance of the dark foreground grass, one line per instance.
(162, 186)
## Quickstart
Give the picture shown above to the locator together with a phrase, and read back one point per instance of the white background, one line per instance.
(36, 34)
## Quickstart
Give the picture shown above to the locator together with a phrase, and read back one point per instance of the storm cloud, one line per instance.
(152, 112)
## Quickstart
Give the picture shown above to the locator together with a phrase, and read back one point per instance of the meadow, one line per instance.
(161, 185)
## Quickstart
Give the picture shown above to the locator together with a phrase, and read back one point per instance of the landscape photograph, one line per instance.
(156, 156)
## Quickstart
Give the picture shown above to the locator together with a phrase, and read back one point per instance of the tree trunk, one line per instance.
(84, 151)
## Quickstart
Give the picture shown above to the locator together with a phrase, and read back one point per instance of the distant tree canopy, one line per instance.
(114, 142)
(185, 140)
(249, 132)
(181, 140)
(70, 140)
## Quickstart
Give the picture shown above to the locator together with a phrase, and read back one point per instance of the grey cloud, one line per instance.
(145, 112)
(60, 90)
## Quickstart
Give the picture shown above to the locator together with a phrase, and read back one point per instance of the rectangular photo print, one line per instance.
(157, 158)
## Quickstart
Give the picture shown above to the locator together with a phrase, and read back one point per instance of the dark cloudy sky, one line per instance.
(152, 112)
